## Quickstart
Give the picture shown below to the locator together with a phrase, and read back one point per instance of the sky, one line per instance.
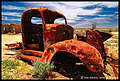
(79, 14)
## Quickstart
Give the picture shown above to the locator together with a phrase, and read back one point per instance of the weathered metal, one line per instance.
(89, 55)
(45, 40)
(96, 39)
(14, 45)
(44, 34)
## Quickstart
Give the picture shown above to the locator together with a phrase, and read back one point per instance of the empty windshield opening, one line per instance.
(59, 21)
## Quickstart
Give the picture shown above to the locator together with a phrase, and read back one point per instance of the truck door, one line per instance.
(32, 30)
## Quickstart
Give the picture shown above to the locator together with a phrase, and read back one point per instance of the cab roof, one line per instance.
(49, 15)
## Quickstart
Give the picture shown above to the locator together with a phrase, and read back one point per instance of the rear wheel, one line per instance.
(64, 59)
(65, 64)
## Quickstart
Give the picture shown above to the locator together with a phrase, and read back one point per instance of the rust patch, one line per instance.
(85, 55)
(73, 47)
(61, 47)
(50, 50)
(79, 52)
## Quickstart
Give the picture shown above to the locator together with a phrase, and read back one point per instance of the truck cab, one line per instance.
(38, 36)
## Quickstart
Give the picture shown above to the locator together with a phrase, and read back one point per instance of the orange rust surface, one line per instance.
(106, 50)
(115, 71)
(43, 9)
(33, 52)
(30, 58)
(51, 26)
(88, 54)
(96, 39)
(13, 45)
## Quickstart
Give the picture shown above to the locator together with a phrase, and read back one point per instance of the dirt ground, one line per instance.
(25, 71)
(112, 44)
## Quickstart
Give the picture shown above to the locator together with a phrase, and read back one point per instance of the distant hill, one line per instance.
(114, 29)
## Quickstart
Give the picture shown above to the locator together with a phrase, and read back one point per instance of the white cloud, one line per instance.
(91, 3)
(15, 19)
(70, 9)
(17, 14)
(10, 7)
(116, 12)
(108, 4)
(105, 15)
(73, 8)
(103, 21)
(5, 18)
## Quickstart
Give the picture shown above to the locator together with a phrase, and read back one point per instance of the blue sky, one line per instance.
(79, 14)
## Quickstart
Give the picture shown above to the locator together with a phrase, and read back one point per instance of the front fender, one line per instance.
(88, 54)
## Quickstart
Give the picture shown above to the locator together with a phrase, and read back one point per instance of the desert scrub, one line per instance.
(8, 68)
(41, 69)
(115, 37)
(108, 44)
(10, 64)
(14, 69)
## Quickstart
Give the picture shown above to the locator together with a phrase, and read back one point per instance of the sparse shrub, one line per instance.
(41, 68)
(8, 68)
(83, 33)
(9, 27)
(115, 37)
(10, 64)
(108, 44)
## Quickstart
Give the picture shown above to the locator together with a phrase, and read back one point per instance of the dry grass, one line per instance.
(20, 70)
(24, 68)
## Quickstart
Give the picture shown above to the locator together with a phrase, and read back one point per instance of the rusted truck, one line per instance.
(50, 42)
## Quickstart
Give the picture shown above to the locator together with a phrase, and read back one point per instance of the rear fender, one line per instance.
(88, 54)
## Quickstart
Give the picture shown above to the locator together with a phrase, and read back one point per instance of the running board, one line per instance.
(32, 52)
(29, 58)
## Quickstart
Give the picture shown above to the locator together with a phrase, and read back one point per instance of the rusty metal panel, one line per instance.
(88, 54)
(56, 33)
(47, 28)
(59, 37)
